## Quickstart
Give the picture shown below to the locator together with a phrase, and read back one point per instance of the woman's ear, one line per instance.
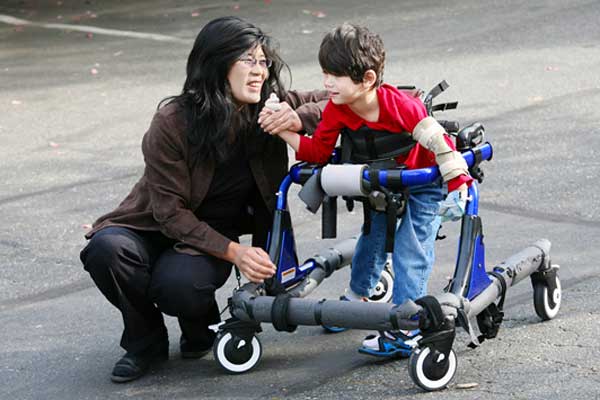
(369, 79)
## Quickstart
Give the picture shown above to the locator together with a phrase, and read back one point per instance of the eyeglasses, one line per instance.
(251, 62)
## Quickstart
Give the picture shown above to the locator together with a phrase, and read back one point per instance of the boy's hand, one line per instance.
(275, 122)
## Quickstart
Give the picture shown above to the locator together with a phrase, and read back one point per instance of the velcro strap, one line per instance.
(279, 313)
(434, 317)
(455, 165)
(390, 228)
(426, 131)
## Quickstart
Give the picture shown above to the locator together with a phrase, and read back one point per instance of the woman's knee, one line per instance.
(185, 286)
(101, 247)
(107, 248)
(182, 298)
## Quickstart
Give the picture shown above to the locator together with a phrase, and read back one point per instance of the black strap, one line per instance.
(374, 179)
(434, 316)
(439, 88)
(370, 142)
(502, 286)
(346, 147)
(366, 217)
(273, 287)
(394, 318)
(318, 312)
(366, 145)
(390, 225)
(279, 313)
(445, 106)
(490, 319)
(349, 203)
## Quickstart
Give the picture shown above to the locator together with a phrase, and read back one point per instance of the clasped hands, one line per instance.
(285, 119)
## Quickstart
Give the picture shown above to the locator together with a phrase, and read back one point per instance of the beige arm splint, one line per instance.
(430, 134)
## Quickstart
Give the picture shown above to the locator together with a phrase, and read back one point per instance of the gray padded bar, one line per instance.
(514, 269)
(350, 314)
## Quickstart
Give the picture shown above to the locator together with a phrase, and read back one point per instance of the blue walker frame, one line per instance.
(470, 276)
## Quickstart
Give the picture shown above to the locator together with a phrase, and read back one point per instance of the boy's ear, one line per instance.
(369, 78)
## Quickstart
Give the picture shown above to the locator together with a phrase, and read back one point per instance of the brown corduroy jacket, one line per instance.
(173, 185)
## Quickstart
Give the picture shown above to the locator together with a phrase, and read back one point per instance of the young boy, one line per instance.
(352, 59)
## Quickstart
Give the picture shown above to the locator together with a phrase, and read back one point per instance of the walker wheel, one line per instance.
(431, 370)
(547, 304)
(385, 287)
(236, 355)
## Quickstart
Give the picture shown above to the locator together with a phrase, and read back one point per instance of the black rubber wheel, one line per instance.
(547, 304)
(430, 370)
(236, 355)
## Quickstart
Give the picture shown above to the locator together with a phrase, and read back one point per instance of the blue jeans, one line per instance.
(413, 254)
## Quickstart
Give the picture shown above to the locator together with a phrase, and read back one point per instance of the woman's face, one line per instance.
(247, 76)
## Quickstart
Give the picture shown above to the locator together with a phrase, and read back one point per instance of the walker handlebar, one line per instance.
(398, 178)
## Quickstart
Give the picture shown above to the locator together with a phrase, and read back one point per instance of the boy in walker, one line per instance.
(352, 59)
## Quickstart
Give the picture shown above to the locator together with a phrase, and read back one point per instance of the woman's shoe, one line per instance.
(134, 365)
(190, 350)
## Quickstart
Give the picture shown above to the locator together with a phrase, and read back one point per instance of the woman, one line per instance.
(210, 175)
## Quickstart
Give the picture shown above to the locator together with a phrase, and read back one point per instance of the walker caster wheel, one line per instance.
(547, 297)
(235, 354)
(430, 369)
(385, 287)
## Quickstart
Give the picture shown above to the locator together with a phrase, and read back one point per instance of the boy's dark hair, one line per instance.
(351, 50)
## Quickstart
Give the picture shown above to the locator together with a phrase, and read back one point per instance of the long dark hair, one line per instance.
(215, 124)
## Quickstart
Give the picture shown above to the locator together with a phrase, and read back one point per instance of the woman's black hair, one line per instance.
(215, 123)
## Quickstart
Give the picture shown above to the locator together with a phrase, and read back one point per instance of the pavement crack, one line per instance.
(62, 188)
(50, 294)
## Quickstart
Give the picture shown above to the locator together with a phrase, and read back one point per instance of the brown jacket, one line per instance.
(173, 186)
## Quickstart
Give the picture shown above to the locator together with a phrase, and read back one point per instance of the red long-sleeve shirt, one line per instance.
(398, 112)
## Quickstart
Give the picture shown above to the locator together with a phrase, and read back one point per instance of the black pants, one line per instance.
(141, 275)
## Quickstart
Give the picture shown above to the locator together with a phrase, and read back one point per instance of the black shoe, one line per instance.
(132, 366)
(193, 350)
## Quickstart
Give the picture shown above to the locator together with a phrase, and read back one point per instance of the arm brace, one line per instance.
(430, 134)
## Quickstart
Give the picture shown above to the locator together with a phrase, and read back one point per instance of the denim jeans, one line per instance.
(413, 254)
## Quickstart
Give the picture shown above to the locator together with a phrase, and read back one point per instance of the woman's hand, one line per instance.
(253, 262)
(275, 122)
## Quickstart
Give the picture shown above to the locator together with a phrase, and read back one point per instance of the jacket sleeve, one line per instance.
(169, 183)
(309, 106)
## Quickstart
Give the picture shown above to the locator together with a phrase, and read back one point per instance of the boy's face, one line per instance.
(342, 89)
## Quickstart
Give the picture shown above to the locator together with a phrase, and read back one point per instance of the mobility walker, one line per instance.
(475, 293)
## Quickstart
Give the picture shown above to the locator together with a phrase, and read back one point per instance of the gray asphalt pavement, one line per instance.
(78, 88)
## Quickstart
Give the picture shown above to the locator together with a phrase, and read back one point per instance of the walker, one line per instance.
(475, 293)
